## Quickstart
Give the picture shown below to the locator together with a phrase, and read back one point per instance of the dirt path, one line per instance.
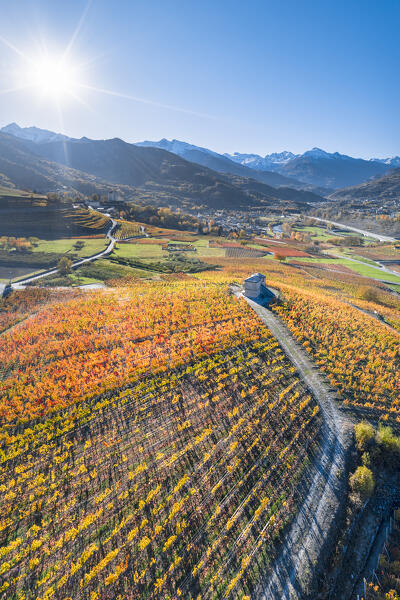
(310, 541)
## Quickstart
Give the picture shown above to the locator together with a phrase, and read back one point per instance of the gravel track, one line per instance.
(311, 538)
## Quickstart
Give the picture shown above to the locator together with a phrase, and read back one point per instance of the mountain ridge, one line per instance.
(383, 188)
(222, 163)
(145, 175)
(315, 170)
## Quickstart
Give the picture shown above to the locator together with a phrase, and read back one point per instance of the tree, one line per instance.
(64, 266)
(362, 483)
(389, 445)
(364, 433)
(279, 257)
(79, 245)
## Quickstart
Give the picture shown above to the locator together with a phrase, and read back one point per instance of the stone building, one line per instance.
(254, 285)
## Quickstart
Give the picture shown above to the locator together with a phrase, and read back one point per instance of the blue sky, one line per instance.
(255, 76)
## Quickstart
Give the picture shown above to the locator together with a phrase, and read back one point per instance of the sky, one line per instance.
(256, 76)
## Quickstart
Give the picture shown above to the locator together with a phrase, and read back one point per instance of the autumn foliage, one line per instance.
(152, 442)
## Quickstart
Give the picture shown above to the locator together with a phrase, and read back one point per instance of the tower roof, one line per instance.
(256, 277)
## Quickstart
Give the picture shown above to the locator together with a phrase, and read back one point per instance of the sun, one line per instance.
(52, 77)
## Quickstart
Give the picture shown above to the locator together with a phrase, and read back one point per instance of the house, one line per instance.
(114, 196)
(254, 285)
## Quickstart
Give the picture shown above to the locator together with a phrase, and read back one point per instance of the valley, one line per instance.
(163, 433)
(199, 300)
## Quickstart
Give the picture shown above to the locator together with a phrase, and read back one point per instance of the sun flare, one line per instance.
(52, 77)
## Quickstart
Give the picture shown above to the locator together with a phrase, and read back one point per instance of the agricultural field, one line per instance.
(360, 355)
(136, 250)
(335, 316)
(9, 192)
(40, 218)
(386, 584)
(75, 246)
(144, 417)
(22, 303)
(155, 439)
(126, 229)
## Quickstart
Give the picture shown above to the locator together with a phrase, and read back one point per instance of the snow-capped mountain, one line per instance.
(269, 162)
(175, 146)
(33, 134)
(319, 168)
(224, 163)
(315, 169)
(393, 161)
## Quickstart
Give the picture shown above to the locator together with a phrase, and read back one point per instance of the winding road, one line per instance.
(22, 282)
(301, 561)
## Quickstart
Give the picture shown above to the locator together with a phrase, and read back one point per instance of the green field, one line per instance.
(139, 251)
(317, 233)
(6, 191)
(322, 234)
(367, 261)
(203, 249)
(63, 246)
(337, 261)
(365, 269)
(144, 251)
(368, 271)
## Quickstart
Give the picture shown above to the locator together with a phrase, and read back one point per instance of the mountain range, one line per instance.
(146, 175)
(223, 163)
(316, 170)
(176, 172)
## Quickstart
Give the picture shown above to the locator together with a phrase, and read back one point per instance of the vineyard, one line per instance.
(243, 253)
(154, 437)
(360, 355)
(21, 304)
(386, 583)
(176, 484)
(88, 220)
(126, 229)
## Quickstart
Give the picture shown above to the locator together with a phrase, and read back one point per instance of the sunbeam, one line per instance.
(144, 101)
(14, 48)
(77, 28)
(17, 88)
(55, 77)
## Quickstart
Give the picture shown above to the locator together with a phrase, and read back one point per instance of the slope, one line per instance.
(221, 164)
(318, 168)
(155, 175)
(25, 169)
(331, 170)
(386, 187)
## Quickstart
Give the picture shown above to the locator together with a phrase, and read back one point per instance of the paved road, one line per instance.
(294, 571)
(22, 282)
(380, 268)
(376, 236)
